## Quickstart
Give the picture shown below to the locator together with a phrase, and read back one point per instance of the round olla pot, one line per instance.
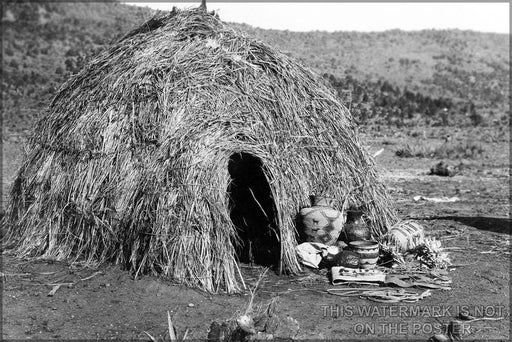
(321, 223)
(322, 201)
(368, 252)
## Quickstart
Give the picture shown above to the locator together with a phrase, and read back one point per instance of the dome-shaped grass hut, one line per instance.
(184, 149)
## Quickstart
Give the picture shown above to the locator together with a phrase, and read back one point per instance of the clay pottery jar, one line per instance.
(321, 222)
(329, 258)
(368, 252)
(322, 201)
(349, 259)
(356, 229)
(406, 235)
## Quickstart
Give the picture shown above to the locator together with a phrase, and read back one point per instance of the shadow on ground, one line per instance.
(491, 224)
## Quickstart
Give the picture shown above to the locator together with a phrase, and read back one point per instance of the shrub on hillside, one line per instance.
(448, 150)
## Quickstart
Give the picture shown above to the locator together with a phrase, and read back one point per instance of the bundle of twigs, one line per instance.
(382, 294)
(431, 254)
(427, 251)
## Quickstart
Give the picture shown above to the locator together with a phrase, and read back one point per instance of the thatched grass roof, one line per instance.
(129, 163)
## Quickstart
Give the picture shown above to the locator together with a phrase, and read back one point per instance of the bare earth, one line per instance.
(114, 305)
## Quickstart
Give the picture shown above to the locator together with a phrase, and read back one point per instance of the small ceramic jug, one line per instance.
(356, 229)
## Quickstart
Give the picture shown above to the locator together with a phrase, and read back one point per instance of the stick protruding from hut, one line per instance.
(203, 5)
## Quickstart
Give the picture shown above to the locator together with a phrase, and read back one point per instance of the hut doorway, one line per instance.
(253, 211)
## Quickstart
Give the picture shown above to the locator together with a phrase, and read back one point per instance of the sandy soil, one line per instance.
(113, 305)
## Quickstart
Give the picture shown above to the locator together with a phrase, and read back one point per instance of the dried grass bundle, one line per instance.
(431, 254)
(130, 161)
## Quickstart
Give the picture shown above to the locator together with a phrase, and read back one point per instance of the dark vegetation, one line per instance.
(382, 103)
(447, 150)
(45, 43)
(397, 78)
(406, 74)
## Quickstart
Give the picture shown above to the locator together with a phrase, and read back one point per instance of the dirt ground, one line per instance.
(113, 305)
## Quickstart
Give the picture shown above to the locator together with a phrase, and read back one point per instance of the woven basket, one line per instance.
(406, 235)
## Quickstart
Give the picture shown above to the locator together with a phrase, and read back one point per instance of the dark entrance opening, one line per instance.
(253, 211)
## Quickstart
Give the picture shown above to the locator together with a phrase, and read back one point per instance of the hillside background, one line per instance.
(428, 77)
